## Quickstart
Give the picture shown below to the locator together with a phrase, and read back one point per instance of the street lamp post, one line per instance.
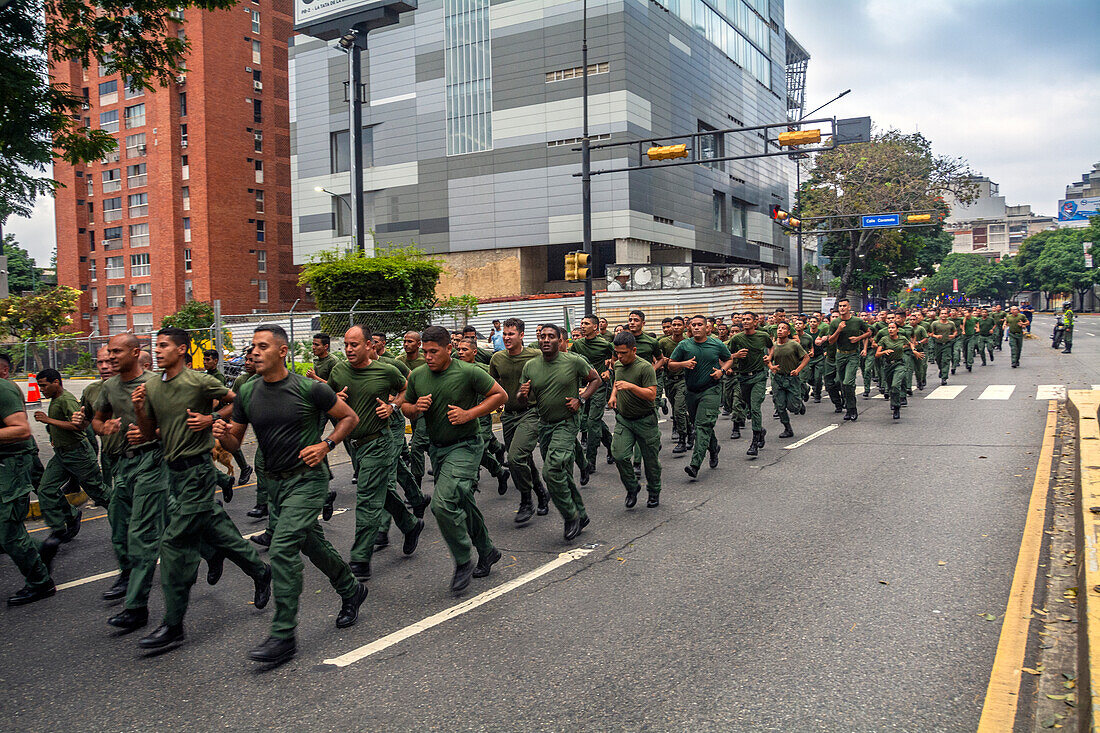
(338, 197)
(586, 169)
(353, 42)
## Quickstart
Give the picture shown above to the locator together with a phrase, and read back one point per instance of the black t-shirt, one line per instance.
(286, 416)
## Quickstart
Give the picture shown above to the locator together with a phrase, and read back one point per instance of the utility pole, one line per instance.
(586, 168)
(354, 42)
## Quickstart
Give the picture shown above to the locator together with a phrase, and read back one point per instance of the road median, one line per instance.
(1084, 407)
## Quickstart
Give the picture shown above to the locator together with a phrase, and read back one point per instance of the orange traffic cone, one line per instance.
(34, 396)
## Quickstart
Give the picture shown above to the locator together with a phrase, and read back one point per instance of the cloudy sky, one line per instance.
(1012, 86)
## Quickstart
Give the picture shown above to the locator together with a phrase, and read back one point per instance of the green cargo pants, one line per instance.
(15, 479)
(832, 386)
(676, 389)
(787, 395)
(592, 424)
(970, 344)
(639, 432)
(491, 446)
(188, 529)
(556, 445)
(920, 365)
(847, 364)
(376, 499)
(1015, 344)
(815, 372)
(460, 521)
(957, 350)
(417, 448)
(942, 353)
(137, 514)
(869, 366)
(703, 413)
(521, 435)
(753, 387)
(73, 463)
(894, 380)
(296, 501)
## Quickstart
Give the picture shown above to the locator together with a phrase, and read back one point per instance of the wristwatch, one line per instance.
(330, 444)
(393, 406)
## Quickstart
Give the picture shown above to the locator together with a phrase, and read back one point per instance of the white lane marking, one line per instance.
(454, 611)
(1050, 392)
(997, 392)
(878, 397)
(808, 438)
(1096, 386)
(945, 392)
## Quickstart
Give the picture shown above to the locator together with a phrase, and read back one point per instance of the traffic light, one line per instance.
(576, 266)
(918, 218)
(799, 137)
(789, 282)
(667, 152)
(779, 215)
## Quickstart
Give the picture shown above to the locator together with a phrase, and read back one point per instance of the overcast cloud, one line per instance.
(1013, 86)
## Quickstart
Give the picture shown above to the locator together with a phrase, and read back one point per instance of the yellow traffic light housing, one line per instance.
(918, 218)
(667, 152)
(789, 283)
(799, 137)
(576, 265)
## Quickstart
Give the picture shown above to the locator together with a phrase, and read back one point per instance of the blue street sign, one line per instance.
(875, 221)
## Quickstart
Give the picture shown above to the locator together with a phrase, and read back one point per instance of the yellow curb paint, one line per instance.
(1003, 694)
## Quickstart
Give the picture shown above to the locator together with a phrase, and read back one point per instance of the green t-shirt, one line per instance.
(412, 363)
(899, 345)
(286, 417)
(970, 325)
(596, 350)
(852, 328)
(708, 356)
(944, 330)
(167, 402)
(242, 379)
(459, 384)
(668, 343)
(398, 365)
(114, 400)
(823, 331)
(554, 382)
(985, 325)
(998, 316)
(87, 405)
(508, 370)
(11, 402)
(1013, 322)
(648, 348)
(62, 408)
(958, 321)
(628, 404)
(366, 385)
(920, 334)
(788, 356)
(323, 367)
(757, 344)
(808, 345)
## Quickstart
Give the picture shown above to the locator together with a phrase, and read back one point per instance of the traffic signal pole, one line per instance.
(586, 168)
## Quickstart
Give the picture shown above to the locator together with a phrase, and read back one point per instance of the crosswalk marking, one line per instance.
(1050, 392)
(997, 392)
(1096, 386)
(946, 392)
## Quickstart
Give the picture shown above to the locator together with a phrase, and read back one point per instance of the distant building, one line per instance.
(988, 226)
(1082, 200)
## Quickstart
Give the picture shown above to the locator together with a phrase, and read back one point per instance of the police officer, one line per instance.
(1067, 325)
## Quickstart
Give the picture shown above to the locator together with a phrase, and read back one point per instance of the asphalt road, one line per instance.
(838, 586)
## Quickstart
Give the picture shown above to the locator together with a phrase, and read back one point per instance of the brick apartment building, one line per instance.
(195, 203)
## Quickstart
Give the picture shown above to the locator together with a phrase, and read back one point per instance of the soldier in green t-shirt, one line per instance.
(892, 347)
(210, 360)
(920, 339)
(788, 359)
(847, 333)
(1015, 322)
(958, 318)
(73, 458)
(412, 357)
(492, 455)
(704, 359)
(633, 395)
(986, 327)
(942, 334)
(674, 387)
(816, 367)
(449, 396)
(970, 337)
(553, 382)
(998, 316)
(599, 353)
(16, 448)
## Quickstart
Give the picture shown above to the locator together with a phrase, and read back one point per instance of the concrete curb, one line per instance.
(1084, 406)
(74, 499)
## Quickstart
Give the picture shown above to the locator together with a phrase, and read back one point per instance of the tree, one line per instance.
(895, 258)
(979, 277)
(41, 316)
(892, 173)
(1054, 261)
(22, 274)
(193, 316)
(39, 118)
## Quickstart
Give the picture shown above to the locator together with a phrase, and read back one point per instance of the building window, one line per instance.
(259, 201)
(739, 219)
(258, 141)
(260, 231)
(340, 150)
(257, 111)
(108, 92)
(468, 76)
(115, 268)
(576, 140)
(135, 175)
(709, 146)
(341, 215)
(255, 20)
(108, 121)
(262, 291)
(577, 72)
(261, 260)
(187, 260)
(116, 323)
(188, 291)
(93, 297)
(133, 92)
(91, 241)
(143, 322)
(139, 204)
(139, 235)
(116, 296)
(718, 218)
(91, 187)
(112, 238)
(135, 145)
(112, 180)
(255, 52)
(134, 116)
(183, 104)
(139, 265)
(259, 171)
(185, 192)
(187, 229)
(91, 270)
(112, 209)
(91, 211)
(111, 156)
(185, 169)
(183, 136)
(980, 235)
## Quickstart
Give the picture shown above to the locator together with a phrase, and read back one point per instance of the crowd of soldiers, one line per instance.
(141, 443)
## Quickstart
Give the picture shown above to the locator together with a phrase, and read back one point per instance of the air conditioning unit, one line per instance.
(104, 243)
(248, 69)
(258, 85)
(95, 306)
(141, 149)
(183, 143)
(181, 78)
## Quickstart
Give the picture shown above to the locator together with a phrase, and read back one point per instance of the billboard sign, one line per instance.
(1078, 209)
(310, 13)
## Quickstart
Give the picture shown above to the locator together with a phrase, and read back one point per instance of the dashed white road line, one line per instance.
(1050, 392)
(481, 599)
(946, 392)
(997, 392)
(808, 438)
